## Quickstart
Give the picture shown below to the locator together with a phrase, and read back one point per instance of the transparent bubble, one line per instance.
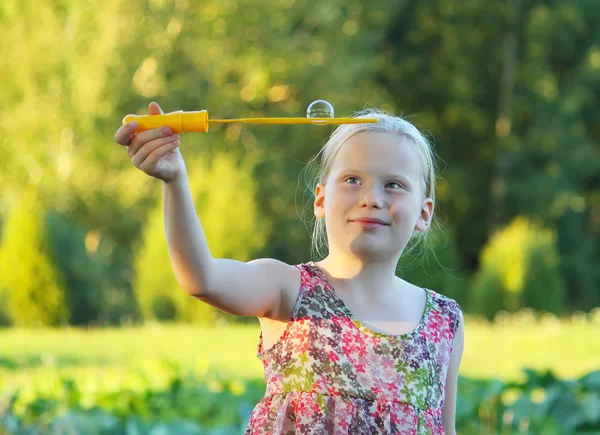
(319, 109)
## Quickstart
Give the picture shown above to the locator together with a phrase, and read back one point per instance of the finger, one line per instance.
(158, 154)
(125, 133)
(140, 157)
(154, 109)
(146, 136)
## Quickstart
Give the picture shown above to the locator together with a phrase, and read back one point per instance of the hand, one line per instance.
(155, 152)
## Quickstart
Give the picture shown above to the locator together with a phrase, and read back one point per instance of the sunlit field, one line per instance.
(143, 377)
(500, 350)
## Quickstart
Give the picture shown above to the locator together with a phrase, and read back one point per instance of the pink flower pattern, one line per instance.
(329, 374)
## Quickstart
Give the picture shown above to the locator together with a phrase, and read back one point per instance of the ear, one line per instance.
(319, 206)
(424, 219)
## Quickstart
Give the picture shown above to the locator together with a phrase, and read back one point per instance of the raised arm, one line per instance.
(244, 289)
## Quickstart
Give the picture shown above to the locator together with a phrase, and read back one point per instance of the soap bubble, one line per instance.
(319, 109)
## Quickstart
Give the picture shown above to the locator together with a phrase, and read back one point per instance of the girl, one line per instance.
(347, 347)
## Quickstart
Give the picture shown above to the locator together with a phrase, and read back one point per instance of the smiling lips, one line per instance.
(372, 222)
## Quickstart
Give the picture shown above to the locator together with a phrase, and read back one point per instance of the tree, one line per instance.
(509, 90)
(519, 268)
(31, 282)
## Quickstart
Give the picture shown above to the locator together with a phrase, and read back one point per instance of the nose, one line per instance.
(373, 198)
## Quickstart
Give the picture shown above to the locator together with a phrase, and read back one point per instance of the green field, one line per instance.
(497, 350)
(151, 375)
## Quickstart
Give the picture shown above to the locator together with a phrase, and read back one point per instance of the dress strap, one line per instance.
(305, 287)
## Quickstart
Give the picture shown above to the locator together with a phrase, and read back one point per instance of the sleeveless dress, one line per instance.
(329, 374)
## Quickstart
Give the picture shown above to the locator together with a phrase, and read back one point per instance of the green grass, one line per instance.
(104, 359)
(569, 347)
(498, 350)
(221, 347)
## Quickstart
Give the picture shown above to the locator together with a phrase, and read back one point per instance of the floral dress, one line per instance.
(329, 374)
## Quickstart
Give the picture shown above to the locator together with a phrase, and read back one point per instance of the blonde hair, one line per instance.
(322, 162)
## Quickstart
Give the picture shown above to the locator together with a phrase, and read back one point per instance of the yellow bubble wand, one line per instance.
(198, 121)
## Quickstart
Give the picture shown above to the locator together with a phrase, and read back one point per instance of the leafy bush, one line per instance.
(188, 405)
(487, 294)
(519, 268)
(29, 280)
(69, 268)
(437, 269)
(86, 261)
(209, 405)
(544, 287)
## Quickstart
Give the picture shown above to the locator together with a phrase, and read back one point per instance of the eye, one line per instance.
(352, 180)
(395, 185)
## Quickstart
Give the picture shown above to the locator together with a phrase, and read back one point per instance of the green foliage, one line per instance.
(508, 89)
(86, 261)
(541, 403)
(437, 267)
(189, 404)
(82, 277)
(224, 192)
(30, 282)
(155, 287)
(77, 270)
(161, 374)
(4, 316)
(487, 293)
(519, 268)
(544, 286)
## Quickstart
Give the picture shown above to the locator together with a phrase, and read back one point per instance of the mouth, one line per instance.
(369, 221)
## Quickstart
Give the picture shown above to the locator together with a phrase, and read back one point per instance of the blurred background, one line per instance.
(98, 338)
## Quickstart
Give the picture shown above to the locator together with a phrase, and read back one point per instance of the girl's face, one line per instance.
(373, 198)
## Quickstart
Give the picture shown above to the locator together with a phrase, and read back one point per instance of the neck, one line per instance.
(360, 276)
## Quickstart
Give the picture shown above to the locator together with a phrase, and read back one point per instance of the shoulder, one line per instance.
(274, 266)
(288, 278)
(448, 308)
(444, 303)
(285, 274)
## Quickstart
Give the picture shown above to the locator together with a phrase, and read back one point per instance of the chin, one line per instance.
(363, 248)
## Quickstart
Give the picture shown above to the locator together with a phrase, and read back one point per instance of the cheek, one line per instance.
(337, 200)
(407, 211)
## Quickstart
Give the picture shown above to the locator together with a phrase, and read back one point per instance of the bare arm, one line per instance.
(188, 250)
(449, 410)
(243, 289)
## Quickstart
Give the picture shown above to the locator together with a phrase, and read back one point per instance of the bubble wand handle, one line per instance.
(180, 121)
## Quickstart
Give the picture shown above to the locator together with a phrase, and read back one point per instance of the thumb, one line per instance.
(154, 109)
